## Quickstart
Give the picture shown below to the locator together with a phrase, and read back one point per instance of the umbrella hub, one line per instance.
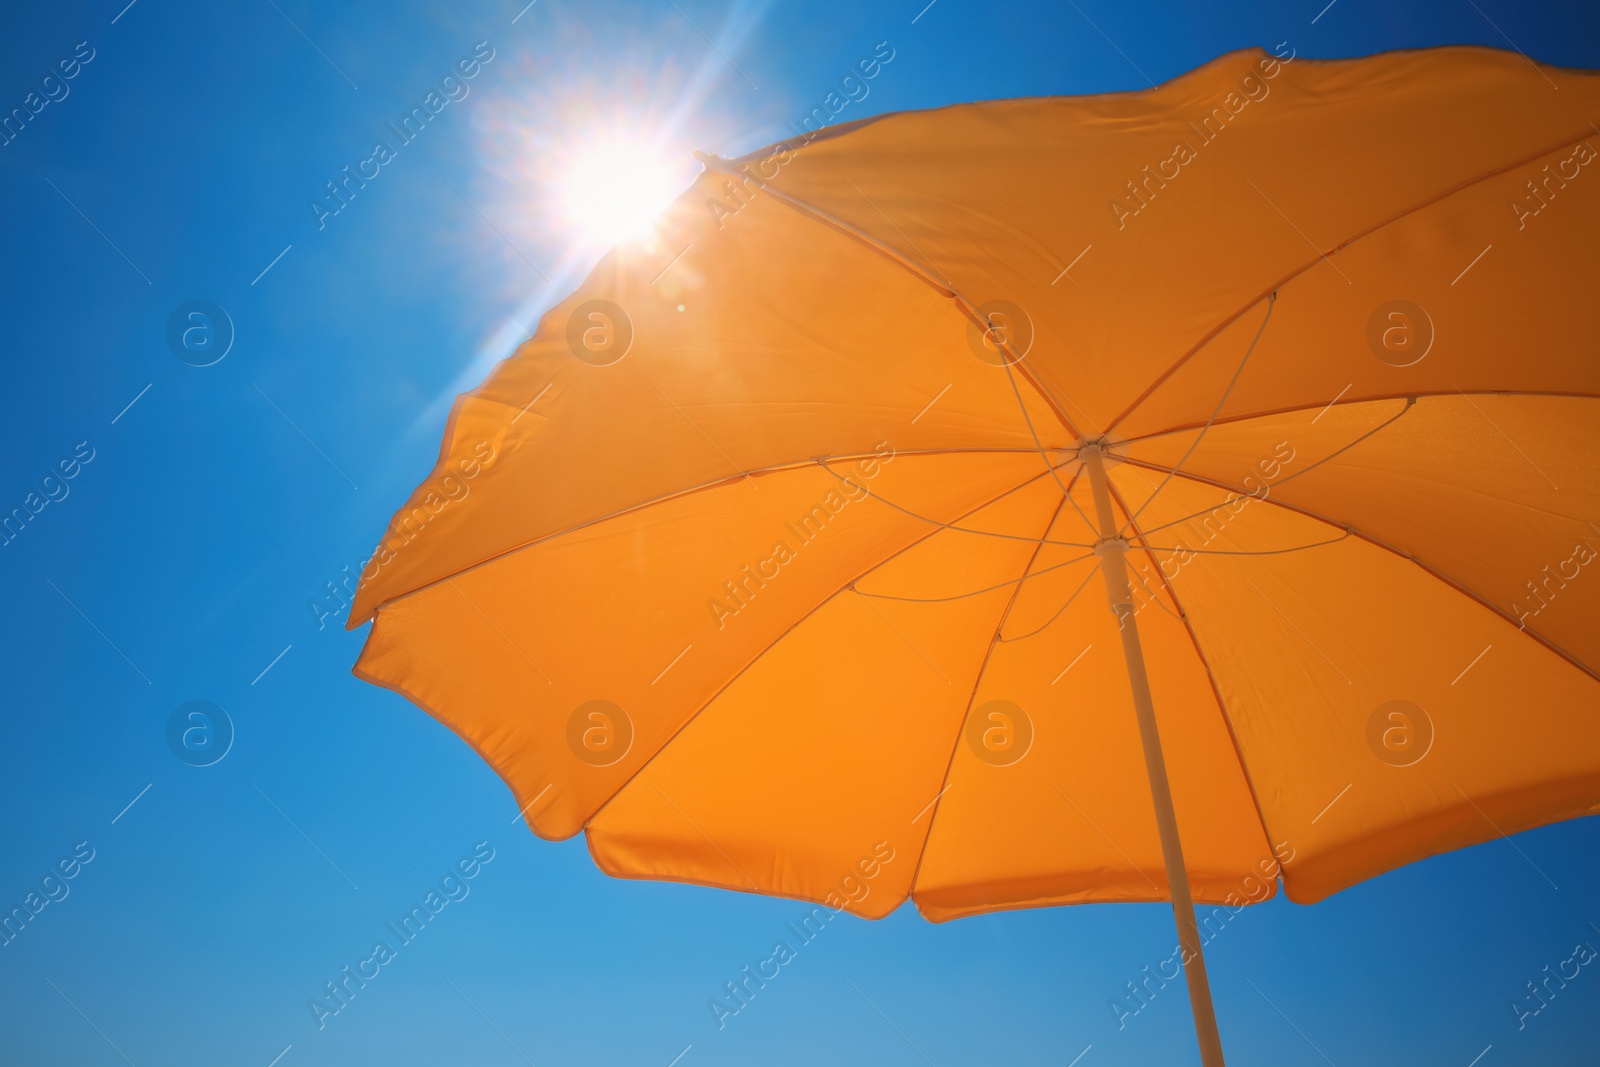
(1110, 545)
(1092, 446)
(1097, 449)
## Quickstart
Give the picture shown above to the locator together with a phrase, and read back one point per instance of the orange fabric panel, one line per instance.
(1308, 649)
(1000, 196)
(834, 744)
(1478, 277)
(743, 379)
(1071, 820)
(1418, 482)
(506, 654)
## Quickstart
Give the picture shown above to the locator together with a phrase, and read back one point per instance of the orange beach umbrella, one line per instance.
(779, 558)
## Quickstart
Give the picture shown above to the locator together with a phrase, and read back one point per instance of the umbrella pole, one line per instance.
(1112, 551)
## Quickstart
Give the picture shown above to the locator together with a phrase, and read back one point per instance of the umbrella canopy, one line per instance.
(779, 558)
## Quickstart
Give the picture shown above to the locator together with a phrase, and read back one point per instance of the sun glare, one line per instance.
(613, 191)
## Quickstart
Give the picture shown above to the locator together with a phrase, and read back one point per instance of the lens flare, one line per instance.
(612, 191)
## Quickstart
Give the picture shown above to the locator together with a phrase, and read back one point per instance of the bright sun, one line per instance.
(612, 191)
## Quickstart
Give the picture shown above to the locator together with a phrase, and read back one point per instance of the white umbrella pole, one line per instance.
(1112, 551)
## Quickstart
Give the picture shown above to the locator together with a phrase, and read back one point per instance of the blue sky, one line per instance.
(179, 563)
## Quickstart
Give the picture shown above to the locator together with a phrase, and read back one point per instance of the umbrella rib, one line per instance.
(937, 273)
(1410, 403)
(1470, 594)
(776, 468)
(1181, 549)
(1321, 257)
(1216, 690)
(1048, 622)
(1011, 379)
(786, 632)
(975, 592)
(1149, 550)
(959, 529)
(1375, 398)
(977, 680)
(1063, 544)
(968, 308)
(1065, 491)
(1271, 303)
(1028, 573)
